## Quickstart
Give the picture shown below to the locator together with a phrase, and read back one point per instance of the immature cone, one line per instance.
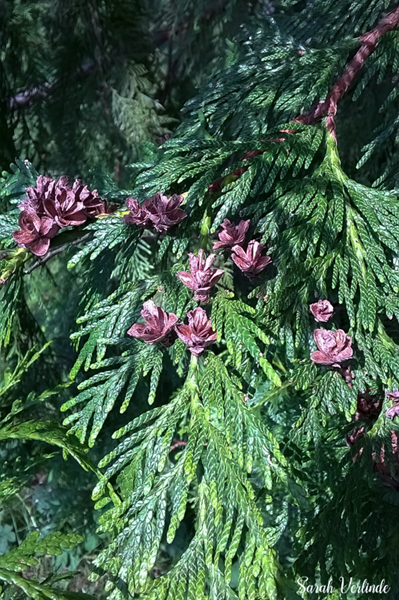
(159, 326)
(231, 234)
(380, 464)
(198, 334)
(36, 232)
(137, 215)
(202, 278)
(62, 205)
(164, 212)
(368, 406)
(93, 205)
(322, 310)
(394, 410)
(35, 195)
(334, 347)
(65, 204)
(383, 466)
(355, 435)
(346, 374)
(159, 212)
(250, 262)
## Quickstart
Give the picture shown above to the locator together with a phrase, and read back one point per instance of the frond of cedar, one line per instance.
(79, 84)
(27, 555)
(14, 426)
(262, 464)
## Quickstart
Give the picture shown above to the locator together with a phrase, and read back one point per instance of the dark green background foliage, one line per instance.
(144, 96)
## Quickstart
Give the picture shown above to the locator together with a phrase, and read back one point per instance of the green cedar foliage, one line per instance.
(24, 556)
(244, 447)
(84, 84)
(15, 424)
(77, 83)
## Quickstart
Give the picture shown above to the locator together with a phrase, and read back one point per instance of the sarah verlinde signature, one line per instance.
(363, 587)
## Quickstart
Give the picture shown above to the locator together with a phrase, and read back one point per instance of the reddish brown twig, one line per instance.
(42, 260)
(328, 108)
(177, 444)
(347, 375)
(236, 174)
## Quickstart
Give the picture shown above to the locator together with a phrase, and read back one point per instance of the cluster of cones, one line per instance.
(334, 350)
(161, 327)
(51, 206)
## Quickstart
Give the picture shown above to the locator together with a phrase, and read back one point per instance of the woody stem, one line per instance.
(42, 260)
(369, 43)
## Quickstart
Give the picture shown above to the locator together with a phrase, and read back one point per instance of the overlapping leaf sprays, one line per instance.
(51, 206)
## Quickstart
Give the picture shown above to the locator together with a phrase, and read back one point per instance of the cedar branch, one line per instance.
(369, 40)
(177, 444)
(328, 107)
